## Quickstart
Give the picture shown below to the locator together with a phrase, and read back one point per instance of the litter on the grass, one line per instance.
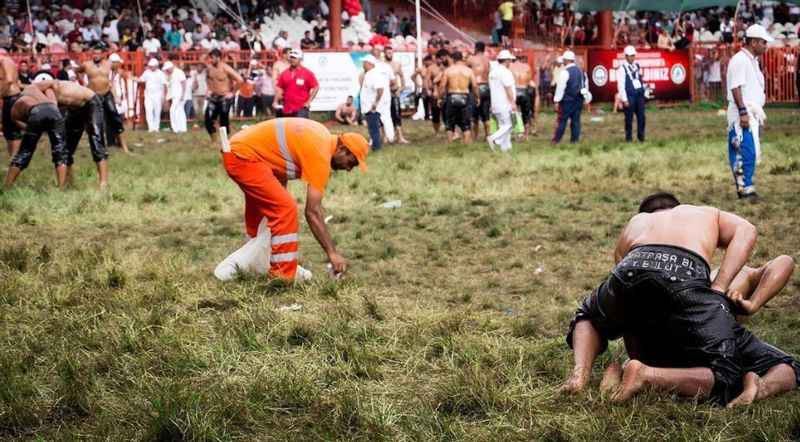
(393, 204)
(291, 308)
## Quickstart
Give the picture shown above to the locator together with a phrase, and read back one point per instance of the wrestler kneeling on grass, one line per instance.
(661, 293)
(263, 157)
(768, 370)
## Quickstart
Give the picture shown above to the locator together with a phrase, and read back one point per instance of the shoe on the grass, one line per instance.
(751, 197)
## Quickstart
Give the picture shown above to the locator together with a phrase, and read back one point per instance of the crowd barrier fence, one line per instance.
(780, 66)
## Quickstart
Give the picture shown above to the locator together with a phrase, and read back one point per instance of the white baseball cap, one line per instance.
(370, 59)
(153, 63)
(630, 50)
(115, 58)
(167, 66)
(569, 56)
(42, 76)
(758, 31)
(296, 53)
(505, 55)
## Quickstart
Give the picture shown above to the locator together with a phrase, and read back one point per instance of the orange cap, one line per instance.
(358, 146)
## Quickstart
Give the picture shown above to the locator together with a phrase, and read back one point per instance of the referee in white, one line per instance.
(746, 99)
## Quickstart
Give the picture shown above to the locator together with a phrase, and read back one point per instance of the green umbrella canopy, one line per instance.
(653, 5)
(600, 5)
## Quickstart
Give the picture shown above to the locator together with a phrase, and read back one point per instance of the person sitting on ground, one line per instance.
(660, 291)
(346, 112)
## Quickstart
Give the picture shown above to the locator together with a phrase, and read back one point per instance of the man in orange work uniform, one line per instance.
(263, 157)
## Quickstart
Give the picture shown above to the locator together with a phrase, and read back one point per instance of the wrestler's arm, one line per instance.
(9, 67)
(17, 119)
(623, 245)
(473, 80)
(236, 79)
(442, 82)
(738, 237)
(316, 223)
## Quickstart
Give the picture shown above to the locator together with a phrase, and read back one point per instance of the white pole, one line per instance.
(419, 33)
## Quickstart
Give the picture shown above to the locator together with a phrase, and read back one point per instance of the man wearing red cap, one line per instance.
(262, 158)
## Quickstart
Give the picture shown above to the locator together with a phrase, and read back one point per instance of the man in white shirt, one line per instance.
(385, 105)
(112, 30)
(176, 91)
(281, 41)
(746, 99)
(188, 105)
(630, 87)
(151, 45)
(503, 98)
(199, 89)
(374, 91)
(155, 92)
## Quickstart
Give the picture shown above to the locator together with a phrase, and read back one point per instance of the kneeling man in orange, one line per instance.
(262, 158)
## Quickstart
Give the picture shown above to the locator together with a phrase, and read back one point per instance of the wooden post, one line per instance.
(335, 24)
(605, 28)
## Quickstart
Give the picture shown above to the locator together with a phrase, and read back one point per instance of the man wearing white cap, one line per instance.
(503, 94)
(176, 91)
(631, 93)
(374, 99)
(569, 99)
(746, 99)
(296, 87)
(155, 92)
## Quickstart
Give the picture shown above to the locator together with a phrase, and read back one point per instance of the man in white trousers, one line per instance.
(504, 100)
(176, 92)
(155, 92)
(385, 104)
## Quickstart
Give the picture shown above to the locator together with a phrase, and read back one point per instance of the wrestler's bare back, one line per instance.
(690, 227)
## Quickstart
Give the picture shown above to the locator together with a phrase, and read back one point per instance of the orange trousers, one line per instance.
(266, 196)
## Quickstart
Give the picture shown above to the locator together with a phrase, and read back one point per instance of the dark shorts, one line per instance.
(217, 108)
(663, 296)
(91, 119)
(436, 110)
(525, 104)
(114, 122)
(42, 118)
(10, 129)
(483, 110)
(457, 112)
(397, 118)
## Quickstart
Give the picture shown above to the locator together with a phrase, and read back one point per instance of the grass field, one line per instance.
(450, 325)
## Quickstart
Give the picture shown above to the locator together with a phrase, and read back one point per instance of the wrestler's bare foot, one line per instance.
(750, 391)
(612, 377)
(633, 380)
(575, 383)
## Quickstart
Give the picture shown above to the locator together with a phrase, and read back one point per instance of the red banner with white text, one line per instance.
(666, 73)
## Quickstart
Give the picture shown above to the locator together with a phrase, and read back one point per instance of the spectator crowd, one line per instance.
(555, 21)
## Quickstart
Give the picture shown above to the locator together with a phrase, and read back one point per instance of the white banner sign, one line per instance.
(338, 74)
